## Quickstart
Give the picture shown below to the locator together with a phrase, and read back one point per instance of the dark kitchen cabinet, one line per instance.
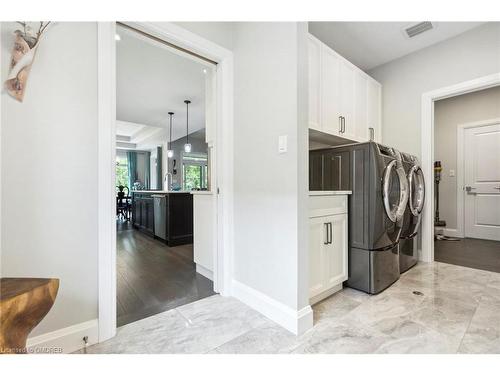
(177, 213)
(328, 170)
(143, 212)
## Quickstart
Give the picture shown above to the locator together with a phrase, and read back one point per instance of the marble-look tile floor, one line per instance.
(456, 311)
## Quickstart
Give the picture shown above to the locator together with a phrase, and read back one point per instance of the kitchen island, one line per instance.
(165, 215)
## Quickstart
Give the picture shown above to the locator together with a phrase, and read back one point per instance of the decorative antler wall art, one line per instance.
(23, 53)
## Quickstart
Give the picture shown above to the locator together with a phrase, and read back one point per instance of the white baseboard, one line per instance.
(205, 272)
(325, 294)
(295, 321)
(450, 232)
(65, 340)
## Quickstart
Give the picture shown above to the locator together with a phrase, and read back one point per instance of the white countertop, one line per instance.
(201, 192)
(330, 192)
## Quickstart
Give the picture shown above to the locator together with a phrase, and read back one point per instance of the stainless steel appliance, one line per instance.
(408, 256)
(376, 207)
(160, 215)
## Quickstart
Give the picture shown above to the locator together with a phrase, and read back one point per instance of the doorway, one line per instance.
(220, 156)
(467, 147)
(163, 95)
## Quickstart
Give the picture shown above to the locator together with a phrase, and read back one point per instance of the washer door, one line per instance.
(417, 190)
(394, 191)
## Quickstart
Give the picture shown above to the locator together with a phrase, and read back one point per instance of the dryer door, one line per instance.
(417, 190)
(394, 191)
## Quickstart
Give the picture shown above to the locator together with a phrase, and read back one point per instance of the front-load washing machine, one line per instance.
(412, 217)
(376, 207)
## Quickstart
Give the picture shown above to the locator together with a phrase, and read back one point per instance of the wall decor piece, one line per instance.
(23, 53)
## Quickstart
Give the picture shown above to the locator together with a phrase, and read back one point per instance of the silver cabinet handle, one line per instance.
(327, 235)
(468, 189)
(331, 232)
(340, 124)
(497, 187)
(343, 124)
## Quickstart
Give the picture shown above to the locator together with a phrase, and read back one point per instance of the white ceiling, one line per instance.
(153, 79)
(128, 129)
(370, 44)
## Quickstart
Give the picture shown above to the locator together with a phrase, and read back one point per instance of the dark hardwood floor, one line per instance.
(469, 252)
(152, 277)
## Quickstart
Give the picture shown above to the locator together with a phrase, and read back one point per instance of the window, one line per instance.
(122, 172)
(194, 171)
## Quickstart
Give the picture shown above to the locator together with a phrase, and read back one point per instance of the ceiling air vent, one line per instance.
(419, 28)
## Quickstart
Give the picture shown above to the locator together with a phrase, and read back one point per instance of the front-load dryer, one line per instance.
(376, 207)
(412, 217)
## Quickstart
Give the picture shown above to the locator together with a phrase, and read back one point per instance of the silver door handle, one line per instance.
(468, 189)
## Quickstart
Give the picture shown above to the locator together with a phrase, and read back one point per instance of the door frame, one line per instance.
(222, 183)
(427, 149)
(461, 169)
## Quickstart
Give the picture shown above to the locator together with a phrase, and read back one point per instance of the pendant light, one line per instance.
(170, 152)
(187, 145)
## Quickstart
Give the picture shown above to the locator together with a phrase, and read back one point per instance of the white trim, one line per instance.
(204, 272)
(460, 231)
(450, 232)
(327, 293)
(296, 321)
(106, 70)
(427, 149)
(222, 148)
(68, 339)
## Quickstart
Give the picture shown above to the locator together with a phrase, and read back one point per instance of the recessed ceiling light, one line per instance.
(204, 71)
(118, 37)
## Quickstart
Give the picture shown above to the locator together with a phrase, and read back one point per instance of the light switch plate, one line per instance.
(282, 143)
(452, 173)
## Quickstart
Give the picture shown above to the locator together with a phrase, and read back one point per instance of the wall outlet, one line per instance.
(452, 173)
(282, 143)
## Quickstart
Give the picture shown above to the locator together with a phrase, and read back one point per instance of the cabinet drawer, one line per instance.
(322, 205)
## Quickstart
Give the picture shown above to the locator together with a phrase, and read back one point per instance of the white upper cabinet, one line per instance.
(374, 110)
(343, 100)
(329, 100)
(361, 107)
(314, 83)
(347, 97)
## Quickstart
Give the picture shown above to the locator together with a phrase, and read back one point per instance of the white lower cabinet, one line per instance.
(327, 254)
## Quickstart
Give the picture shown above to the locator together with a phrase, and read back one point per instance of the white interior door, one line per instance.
(482, 182)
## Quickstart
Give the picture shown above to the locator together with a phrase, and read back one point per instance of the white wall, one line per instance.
(49, 171)
(470, 55)
(448, 114)
(270, 72)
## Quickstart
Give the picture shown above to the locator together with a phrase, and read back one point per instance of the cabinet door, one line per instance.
(150, 216)
(335, 252)
(347, 97)
(317, 239)
(330, 88)
(315, 170)
(314, 52)
(360, 107)
(374, 102)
